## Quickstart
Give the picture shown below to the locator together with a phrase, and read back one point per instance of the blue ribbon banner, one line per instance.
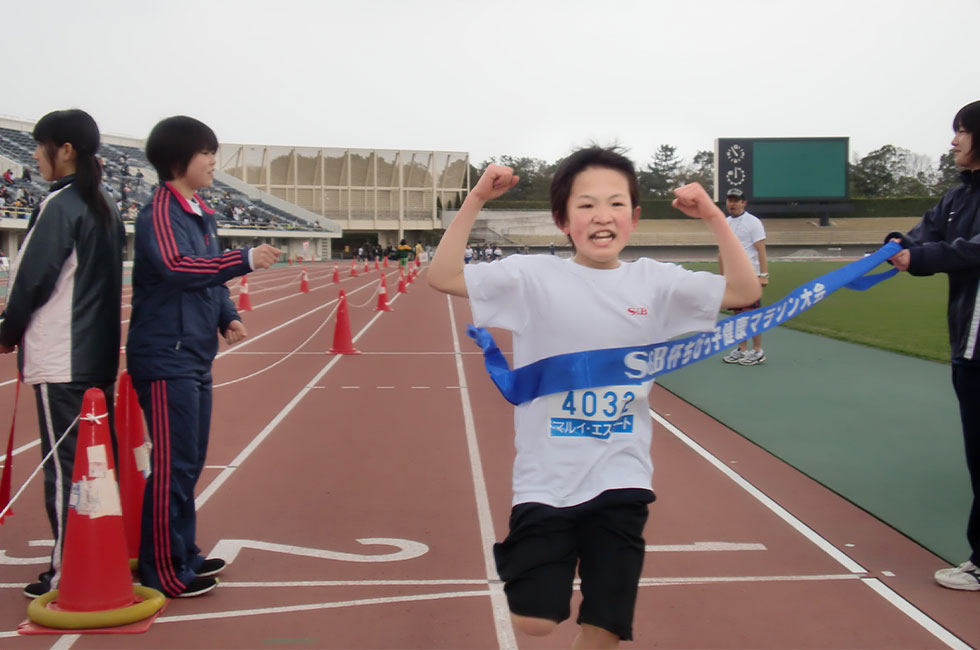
(636, 365)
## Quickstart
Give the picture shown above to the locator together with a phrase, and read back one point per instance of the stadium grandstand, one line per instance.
(376, 196)
(314, 203)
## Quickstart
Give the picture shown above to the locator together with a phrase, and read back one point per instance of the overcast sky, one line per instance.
(524, 78)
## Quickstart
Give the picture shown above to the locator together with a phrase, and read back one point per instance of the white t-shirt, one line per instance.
(556, 306)
(749, 230)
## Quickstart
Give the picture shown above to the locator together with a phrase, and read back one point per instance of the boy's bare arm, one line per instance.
(446, 270)
(741, 284)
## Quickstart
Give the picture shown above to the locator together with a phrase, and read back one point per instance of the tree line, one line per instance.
(888, 172)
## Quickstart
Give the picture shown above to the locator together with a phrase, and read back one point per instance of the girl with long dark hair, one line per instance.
(63, 302)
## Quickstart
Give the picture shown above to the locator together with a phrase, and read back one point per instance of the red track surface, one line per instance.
(408, 448)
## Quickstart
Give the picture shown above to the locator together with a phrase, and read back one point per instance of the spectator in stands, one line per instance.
(180, 305)
(946, 241)
(8, 177)
(63, 304)
(752, 235)
(25, 173)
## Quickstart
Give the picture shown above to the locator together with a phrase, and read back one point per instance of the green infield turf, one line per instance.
(904, 314)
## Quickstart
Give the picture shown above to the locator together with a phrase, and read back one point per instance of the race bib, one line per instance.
(596, 412)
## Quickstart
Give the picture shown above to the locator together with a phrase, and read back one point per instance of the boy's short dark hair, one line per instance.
(968, 118)
(578, 161)
(174, 141)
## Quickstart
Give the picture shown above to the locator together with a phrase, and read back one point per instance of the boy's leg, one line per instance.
(612, 549)
(537, 564)
(167, 550)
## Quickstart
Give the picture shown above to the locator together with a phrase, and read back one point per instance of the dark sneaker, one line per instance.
(211, 567)
(966, 577)
(37, 589)
(198, 586)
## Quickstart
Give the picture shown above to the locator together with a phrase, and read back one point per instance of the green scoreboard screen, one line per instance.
(782, 169)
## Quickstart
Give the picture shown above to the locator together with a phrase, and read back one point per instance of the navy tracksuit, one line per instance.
(180, 303)
(947, 240)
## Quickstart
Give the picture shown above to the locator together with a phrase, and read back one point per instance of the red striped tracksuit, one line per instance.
(180, 304)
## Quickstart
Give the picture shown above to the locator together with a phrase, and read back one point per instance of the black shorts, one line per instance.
(603, 537)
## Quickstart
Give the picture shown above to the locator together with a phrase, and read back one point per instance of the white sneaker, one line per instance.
(965, 577)
(734, 356)
(752, 358)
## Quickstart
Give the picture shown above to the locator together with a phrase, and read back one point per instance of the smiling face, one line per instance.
(600, 217)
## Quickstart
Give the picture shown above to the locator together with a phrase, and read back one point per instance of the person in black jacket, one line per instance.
(947, 240)
(180, 306)
(63, 303)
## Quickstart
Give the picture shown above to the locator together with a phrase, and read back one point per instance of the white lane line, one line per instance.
(225, 474)
(765, 500)
(897, 601)
(318, 606)
(498, 601)
(22, 448)
(916, 614)
(257, 337)
(351, 583)
(708, 580)
(704, 547)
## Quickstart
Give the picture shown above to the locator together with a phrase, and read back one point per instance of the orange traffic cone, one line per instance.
(353, 269)
(411, 276)
(96, 589)
(304, 283)
(290, 261)
(402, 287)
(342, 342)
(418, 263)
(244, 302)
(385, 264)
(367, 269)
(383, 296)
(377, 265)
(134, 461)
(336, 273)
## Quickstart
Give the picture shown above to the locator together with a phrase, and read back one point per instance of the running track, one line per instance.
(357, 498)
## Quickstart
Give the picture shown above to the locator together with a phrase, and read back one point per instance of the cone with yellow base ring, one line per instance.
(95, 589)
(244, 302)
(383, 296)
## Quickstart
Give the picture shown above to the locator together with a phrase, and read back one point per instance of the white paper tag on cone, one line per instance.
(97, 497)
(98, 462)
